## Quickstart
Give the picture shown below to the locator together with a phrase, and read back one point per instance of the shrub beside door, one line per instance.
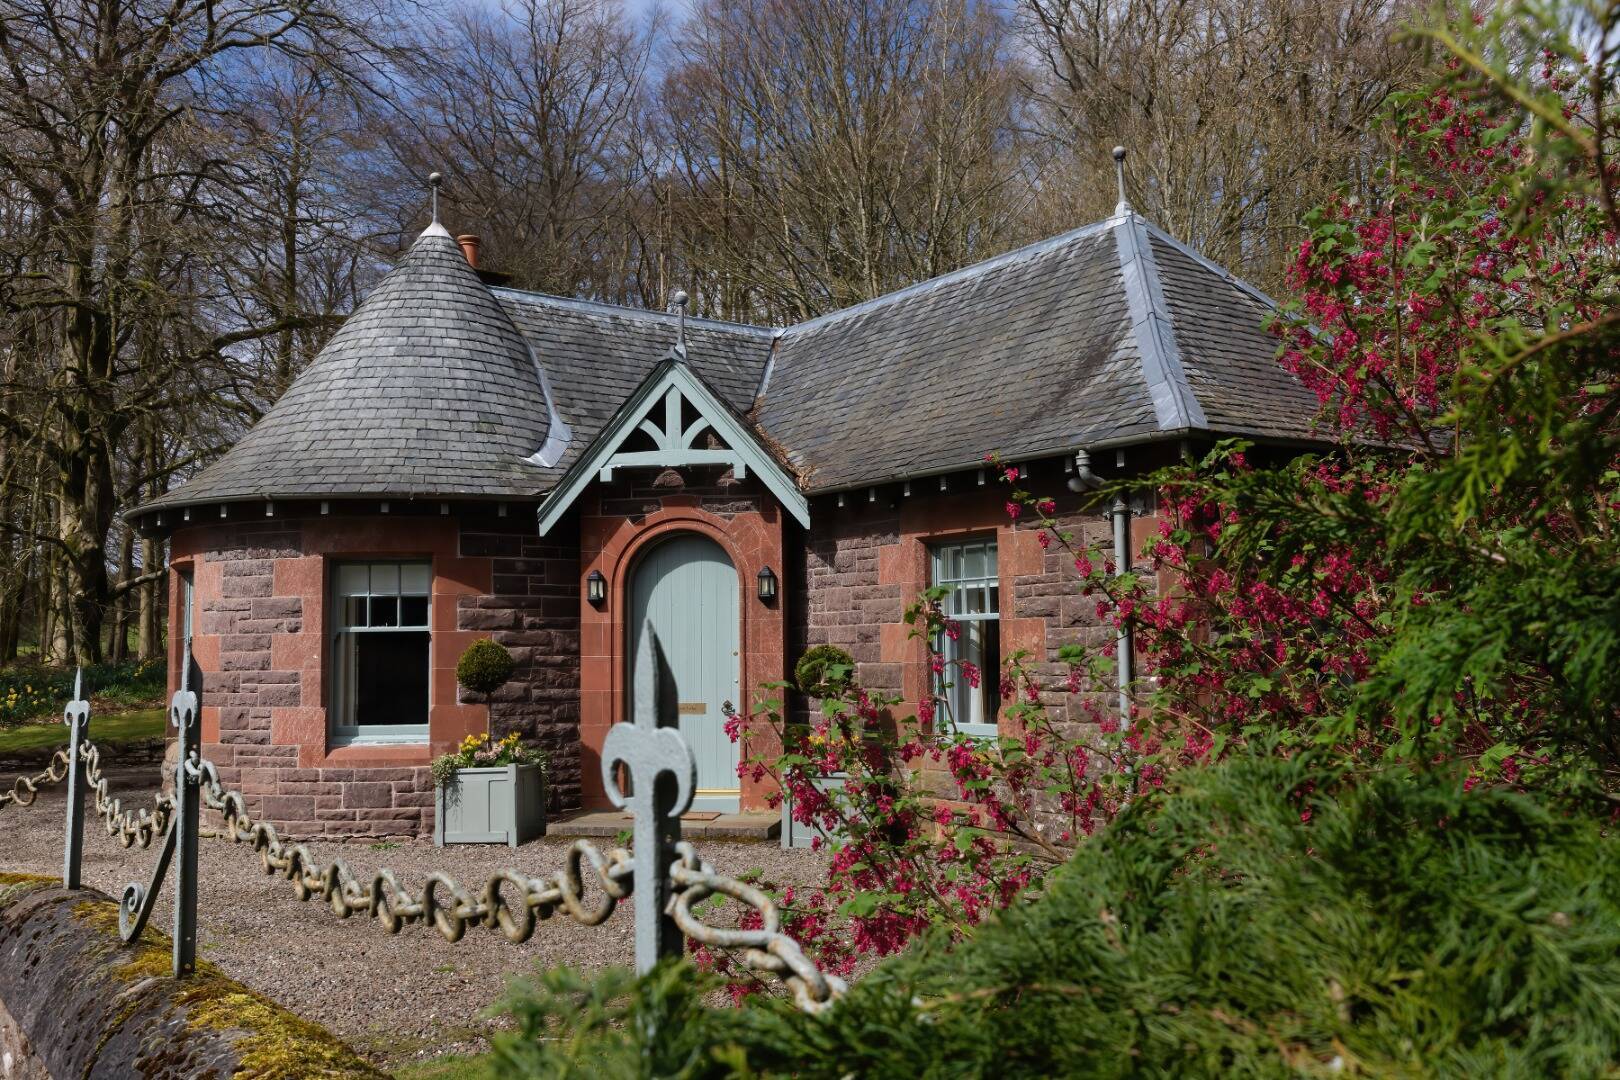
(797, 834)
(500, 804)
(824, 672)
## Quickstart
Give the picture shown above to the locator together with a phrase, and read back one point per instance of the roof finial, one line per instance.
(1119, 175)
(434, 180)
(679, 298)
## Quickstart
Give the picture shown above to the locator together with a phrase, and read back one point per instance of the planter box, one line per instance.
(505, 804)
(796, 834)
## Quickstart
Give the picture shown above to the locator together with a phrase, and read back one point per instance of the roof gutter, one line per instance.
(181, 505)
(1119, 442)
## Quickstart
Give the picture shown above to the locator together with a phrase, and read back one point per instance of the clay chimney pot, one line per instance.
(469, 247)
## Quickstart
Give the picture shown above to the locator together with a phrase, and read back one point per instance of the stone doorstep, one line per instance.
(610, 823)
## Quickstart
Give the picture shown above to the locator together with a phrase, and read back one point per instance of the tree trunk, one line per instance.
(118, 647)
(148, 641)
(87, 495)
(56, 639)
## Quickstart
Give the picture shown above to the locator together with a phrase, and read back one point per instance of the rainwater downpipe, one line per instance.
(1087, 480)
(1124, 648)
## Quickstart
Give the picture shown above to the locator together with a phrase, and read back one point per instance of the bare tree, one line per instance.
(105, 127)
(194, 193)
(823, 151)
(530, 114)
(1240, 115)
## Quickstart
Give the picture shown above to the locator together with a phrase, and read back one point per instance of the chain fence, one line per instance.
(128, 827)
(25, 789)
(513, 903)
(588, 887)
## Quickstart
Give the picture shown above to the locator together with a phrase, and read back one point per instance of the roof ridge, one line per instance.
(972, 270)
(602, 307)
(1175, 405)
(1038, 247)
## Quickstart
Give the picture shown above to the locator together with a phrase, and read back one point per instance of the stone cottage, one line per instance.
(465, 460)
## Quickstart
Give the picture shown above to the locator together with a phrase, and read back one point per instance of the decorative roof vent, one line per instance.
(1124, 206)
(678, 299)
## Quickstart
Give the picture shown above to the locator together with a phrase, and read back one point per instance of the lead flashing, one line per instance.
(1175, 406)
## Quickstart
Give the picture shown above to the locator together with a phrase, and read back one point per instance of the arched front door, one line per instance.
(687, 588)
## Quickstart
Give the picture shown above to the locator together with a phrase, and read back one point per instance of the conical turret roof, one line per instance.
(428, 389)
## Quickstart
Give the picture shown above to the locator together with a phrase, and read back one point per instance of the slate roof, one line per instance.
(1113, 333)
(1229, 357)
(1109, 334)
(427, 389)
(597, 355)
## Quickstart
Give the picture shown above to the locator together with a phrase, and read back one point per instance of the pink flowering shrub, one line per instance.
(926, 826)
(1440, 592)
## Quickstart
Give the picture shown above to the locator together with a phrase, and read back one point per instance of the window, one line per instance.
(380, 651)
(192, 674)
(968, 572)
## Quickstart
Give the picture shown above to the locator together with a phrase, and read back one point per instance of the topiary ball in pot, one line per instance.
(824, 670)
(484, 667)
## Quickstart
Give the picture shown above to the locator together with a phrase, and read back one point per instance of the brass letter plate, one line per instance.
(692, 708)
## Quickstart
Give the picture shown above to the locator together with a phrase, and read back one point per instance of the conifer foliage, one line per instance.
(1267, 918)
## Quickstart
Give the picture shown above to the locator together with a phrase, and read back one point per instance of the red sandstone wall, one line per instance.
(533, 610)
(867, 561)
(260, 645)
(261, 588)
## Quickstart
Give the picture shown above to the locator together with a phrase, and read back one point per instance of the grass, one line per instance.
(104, 730)
(33, 693)
(449, 1067)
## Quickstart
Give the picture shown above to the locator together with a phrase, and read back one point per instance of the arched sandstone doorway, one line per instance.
(686, 587)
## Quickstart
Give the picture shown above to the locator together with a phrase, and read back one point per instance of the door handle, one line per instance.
(728, 710)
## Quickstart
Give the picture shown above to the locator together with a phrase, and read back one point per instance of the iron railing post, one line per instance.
(77, 718)
(187, 819)
(663, 779)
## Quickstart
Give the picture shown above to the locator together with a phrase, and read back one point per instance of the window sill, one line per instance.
(412, 738)
(978, 731)
(370, 742)
(379, 755)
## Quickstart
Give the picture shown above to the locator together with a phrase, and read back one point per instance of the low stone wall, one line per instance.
(128, 752)
(77, 1001)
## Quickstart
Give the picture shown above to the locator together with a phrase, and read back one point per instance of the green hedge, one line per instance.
(1406, 928)
(34, 692)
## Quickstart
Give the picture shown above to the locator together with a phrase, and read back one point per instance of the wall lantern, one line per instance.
(596, 588)
(767, 585)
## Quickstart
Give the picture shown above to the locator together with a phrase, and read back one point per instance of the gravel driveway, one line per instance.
(396, 998)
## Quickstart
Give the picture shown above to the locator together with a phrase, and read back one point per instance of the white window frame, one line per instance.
(342, 706)
(962, 586)
(188, 606)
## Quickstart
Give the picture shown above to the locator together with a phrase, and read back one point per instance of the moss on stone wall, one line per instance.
(128, 994)
(14, 887)
(22, 879)
(273, 1044)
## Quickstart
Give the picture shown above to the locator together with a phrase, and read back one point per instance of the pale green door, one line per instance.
(687, 588)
